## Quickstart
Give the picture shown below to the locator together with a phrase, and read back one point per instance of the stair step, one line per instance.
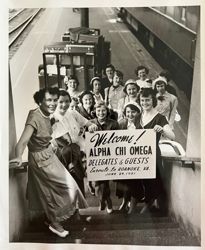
(111, 227)
(110, 222)
(166, 237)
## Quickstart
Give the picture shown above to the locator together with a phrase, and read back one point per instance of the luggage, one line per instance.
(80, 49)
(82, 53)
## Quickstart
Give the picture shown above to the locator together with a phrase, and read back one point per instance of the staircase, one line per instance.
(153, 228)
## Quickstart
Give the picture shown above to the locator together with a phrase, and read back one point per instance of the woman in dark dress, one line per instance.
(151, 119)
(131, 189)
(87, 103)
(108, 79)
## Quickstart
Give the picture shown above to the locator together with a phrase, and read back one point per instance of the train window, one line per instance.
(170, 11)
(163, 9)
(183, 14)
(135, 24)
(129, 18)
(51, 59)
(151, 40)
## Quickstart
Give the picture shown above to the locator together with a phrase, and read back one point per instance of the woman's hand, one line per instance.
(166, 131)
(16, 161)
(92, 128)
(158, 128)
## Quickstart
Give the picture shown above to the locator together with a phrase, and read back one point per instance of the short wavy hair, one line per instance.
(146, 92)
(86, 92)
(119, 73)
(140, 68)
(108, 66)
(101, 104)
(40, 95)
(132, 107)
(63, 92)
(71, 77)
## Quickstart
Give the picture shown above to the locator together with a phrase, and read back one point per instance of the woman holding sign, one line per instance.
(151, 119)
(129, 189)
(103, 122)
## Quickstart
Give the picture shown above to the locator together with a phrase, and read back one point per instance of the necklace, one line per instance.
(45, 116)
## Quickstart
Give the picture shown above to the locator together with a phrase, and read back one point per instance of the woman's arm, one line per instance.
(173, 111)
(106, 96)
(165, 130)
(120, 107)
(22, 143)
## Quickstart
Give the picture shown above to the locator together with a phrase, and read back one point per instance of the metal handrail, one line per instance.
(18, 169)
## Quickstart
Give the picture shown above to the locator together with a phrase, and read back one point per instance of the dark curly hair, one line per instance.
(63, 92)
(40, 95)
(118, 73)
(140, 68)
(146, 92)
(86, 92)
(72, 77)
(165, 73)
(159, 83)
(108, 66)
(132, 107)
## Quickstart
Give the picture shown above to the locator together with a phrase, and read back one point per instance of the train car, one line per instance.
(169, 34)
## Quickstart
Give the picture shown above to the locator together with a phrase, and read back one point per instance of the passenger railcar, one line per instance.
(169, 34)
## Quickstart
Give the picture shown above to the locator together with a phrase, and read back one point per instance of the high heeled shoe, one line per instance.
(109, 206)
(147, 206)
(124, 205)
(132, 207)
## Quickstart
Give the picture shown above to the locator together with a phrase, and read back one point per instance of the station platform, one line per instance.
(126, 54)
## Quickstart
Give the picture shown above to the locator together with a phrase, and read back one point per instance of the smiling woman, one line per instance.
(50, 186)
(151, 119)
(47, 100)
(103, 122)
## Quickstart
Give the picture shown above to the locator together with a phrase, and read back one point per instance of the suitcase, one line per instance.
(80, 49)
(80, 33)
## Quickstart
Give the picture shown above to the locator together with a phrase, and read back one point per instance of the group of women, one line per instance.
(54, 134)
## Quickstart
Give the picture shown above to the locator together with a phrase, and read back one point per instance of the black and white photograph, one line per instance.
(104, 125)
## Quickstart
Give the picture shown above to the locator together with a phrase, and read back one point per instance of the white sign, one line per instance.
(121, 154)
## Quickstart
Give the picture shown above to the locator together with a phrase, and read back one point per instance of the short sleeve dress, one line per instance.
(154, 187)
(50, 185)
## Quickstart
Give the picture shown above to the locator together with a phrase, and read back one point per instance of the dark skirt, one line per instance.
(155, 187)
(129, 188)
(102, 189)
(70, 156)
